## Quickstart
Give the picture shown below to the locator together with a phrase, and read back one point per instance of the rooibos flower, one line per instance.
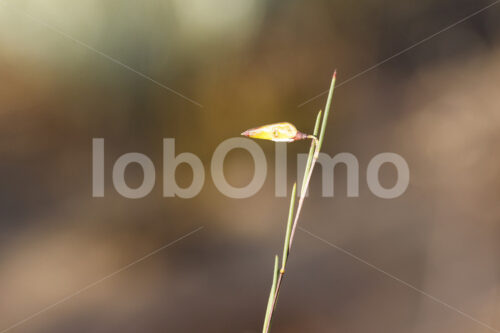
(279, 132)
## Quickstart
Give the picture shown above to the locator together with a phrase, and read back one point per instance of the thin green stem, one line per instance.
(291, 227)
(304, 189)
(270, 302)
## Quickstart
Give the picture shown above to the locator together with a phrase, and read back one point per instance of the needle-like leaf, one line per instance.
(288, 228)
(327, 110)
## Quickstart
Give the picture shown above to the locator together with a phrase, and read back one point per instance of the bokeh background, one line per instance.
(248, 63)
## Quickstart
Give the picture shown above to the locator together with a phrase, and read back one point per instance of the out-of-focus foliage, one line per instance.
(247, 63)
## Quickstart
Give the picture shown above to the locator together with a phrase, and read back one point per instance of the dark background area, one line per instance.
(248, 63)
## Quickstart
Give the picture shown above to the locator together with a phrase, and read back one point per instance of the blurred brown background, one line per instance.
(248, 63)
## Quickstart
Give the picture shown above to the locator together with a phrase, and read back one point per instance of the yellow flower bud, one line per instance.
(279, 132)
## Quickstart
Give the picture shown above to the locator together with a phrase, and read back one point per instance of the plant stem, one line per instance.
(267, 320)
(290, 230)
